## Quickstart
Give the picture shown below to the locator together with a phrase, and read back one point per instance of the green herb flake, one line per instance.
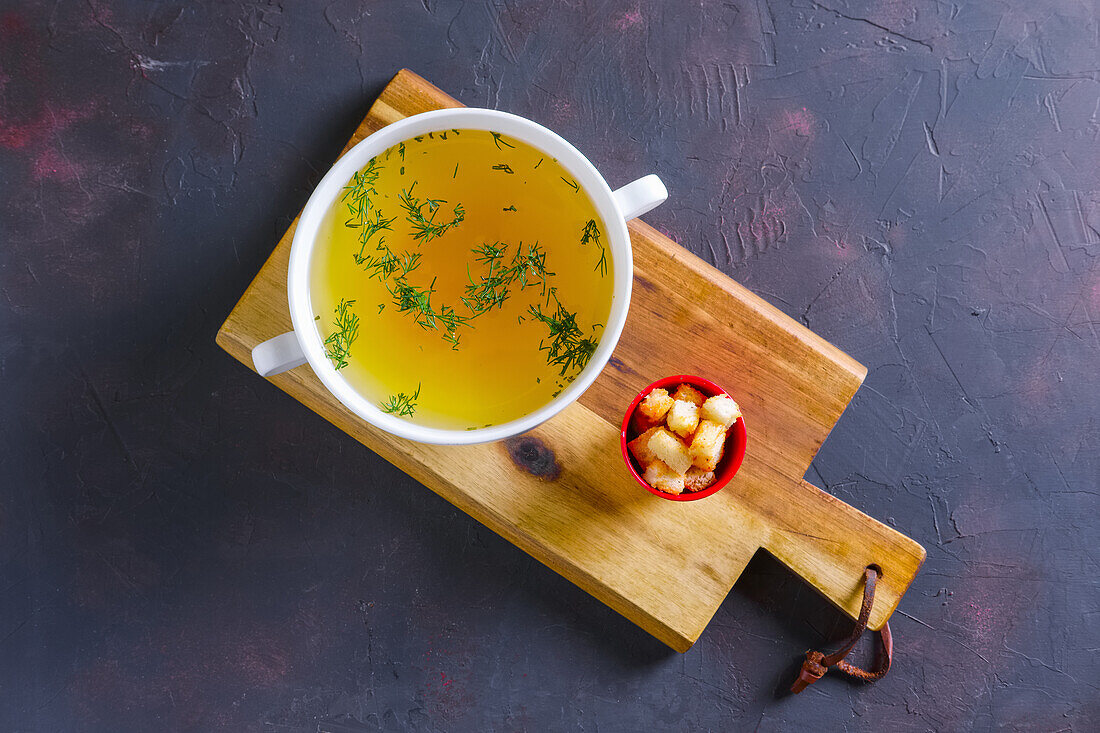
(527, 268)
(417, 302)
(498, 141)
(424, 227)
(380, 265)
(571, 184)
(338, 345)
(503, 167)
(401, 404)
(452, 338)
(368, 228)
(357, 197)
(591, 235)
(567, 347)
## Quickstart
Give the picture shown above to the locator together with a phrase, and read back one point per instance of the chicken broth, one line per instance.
(462, 280)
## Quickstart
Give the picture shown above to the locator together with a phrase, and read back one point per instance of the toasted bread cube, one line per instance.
(721, 409)
(663, 478)
(687, 393)
(655, 404)
(639, 423)
(707, 446)
(696, 479)
(669, 449)
(639, 448)
(683, 418)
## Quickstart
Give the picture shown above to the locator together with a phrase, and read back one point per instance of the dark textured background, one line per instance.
(182, 547)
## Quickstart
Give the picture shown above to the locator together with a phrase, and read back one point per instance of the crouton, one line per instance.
(707, 446)
(683, 418)
(639, 423)
(721, 409)
(696, 479)
(687, 393)
(655, 404)
(639, 448)
(669, 449)
(663, 478)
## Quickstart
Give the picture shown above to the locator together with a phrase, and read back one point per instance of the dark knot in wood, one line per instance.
(533, 456)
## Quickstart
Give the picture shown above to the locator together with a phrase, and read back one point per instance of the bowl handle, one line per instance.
(638, 197)
(278, 354)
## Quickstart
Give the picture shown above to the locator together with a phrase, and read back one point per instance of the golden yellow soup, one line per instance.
(462, 280)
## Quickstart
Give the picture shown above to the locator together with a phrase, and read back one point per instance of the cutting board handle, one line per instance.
(840, 544)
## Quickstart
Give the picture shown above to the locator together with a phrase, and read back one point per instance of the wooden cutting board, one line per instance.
(561, 492)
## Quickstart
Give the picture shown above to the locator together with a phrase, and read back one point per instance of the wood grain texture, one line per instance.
(666, 566)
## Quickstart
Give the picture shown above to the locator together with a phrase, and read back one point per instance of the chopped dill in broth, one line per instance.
(462, 280)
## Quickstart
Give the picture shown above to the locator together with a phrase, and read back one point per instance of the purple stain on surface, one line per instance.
(39, 130)
(12, 27)
(845, 252)
(981, 621)
(629, 19)
(1037, 387)
(51, 164)
(760, 226)
(30, 123)
(800, 121)
(562, 109)
(449, 677)
(261, 661)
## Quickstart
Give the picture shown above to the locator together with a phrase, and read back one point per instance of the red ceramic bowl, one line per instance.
(736, 439)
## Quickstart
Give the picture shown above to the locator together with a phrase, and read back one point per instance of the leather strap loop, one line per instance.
(817, 664)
